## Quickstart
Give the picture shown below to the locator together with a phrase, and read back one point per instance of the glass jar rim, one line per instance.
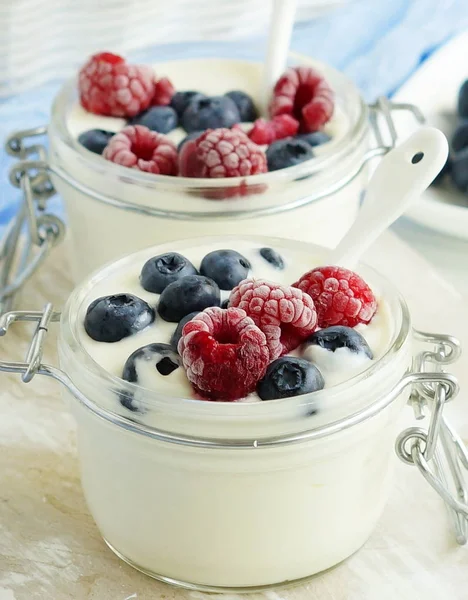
(154, 399)
(58, 126)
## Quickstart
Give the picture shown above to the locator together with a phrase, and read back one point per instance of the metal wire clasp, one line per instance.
(32, 364)
(19, 260)
(437, 452)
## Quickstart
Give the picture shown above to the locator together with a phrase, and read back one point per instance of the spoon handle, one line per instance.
(401, 176)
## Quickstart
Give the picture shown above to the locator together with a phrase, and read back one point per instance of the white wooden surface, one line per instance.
(51, 549)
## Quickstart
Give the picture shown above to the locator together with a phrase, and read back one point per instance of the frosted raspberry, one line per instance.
(303, 93)
(221, 153)
(224, 353)
(341, 296)
(140, 148)
(285, 314)
(108, 85)
(163, 92)
(266, 132)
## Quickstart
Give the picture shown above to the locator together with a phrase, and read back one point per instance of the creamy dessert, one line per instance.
(221, 449)
(166, 291)
(181, 106)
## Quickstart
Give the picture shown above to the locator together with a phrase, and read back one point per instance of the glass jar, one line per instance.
(238, 496)
(113, 210)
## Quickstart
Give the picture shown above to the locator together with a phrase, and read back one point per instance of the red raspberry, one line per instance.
(163, 92)
(341, 297)
(224, 353)
(285, 314)
(267, 132)
(110, 86)
(221, 153)
(303, 93)
(140, 148)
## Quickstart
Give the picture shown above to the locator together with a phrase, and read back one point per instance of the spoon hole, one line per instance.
(417, 158)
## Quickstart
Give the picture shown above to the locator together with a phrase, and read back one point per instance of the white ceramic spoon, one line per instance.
(402, 175)
(279, 38)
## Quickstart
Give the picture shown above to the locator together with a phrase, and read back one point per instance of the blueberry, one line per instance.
(225, 304)
(460, 137)
(317, 138)
(287, 153)
(158, 272)
(289, 376)
(178, 331)
(165, 361)
(163, 357)
(245, 105)
(95, 140)
(112, 318)
(463, 101)
(162, 119)
(339, 336)
(226, 267)
(210, 113)
(272, 257)
(446, 169)
(187, 138)
(459, 170)
(186, 295)
(180, 100)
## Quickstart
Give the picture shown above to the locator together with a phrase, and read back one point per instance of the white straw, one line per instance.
(279, 37)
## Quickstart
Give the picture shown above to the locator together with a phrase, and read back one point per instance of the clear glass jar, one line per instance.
(279, 492)
(113, 210)
(224, 496)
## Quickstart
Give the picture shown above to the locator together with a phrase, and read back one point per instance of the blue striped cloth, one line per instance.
(378, 44)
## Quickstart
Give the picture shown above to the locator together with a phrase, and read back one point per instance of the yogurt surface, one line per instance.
(336, 367)
(212, 77)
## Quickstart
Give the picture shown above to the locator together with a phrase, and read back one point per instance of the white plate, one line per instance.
(434, 89)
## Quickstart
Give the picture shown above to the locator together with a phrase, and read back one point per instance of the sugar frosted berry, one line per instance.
(245, 105)
(289, 376)
(162, 119)
(108, 85)
(112, 318)
(221, 153)
(341, 297)
(287, 153)
(163, 92)
(227, 267)
(210, 113)
(180, 100)
(186, 295)
(95, 140)
(280, 127)
(285, 314)
(139, 148)
(303, 93)
(159, 271)
(162, 356)
(273, 257)
(317, 138)
(187, 138)
(224, 353)
(175, 338)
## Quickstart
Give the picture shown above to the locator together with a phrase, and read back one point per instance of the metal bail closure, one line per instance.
(32, 364)
(438, 452)
(33, 232)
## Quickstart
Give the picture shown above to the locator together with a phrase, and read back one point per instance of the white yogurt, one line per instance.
(212, 81)
(113, 211)
(224, 516)
(335, 366)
